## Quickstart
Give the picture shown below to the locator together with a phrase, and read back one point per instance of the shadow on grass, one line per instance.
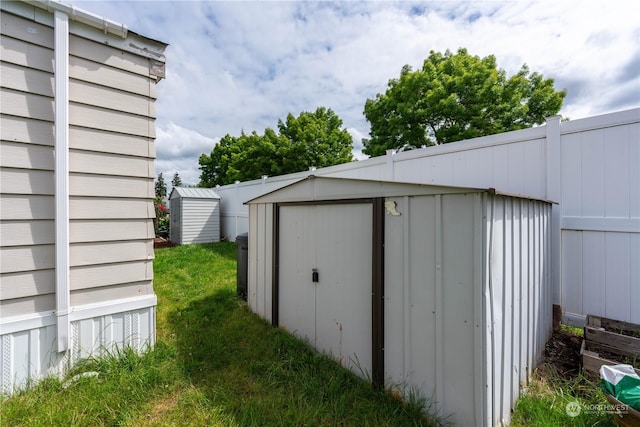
(258, 375)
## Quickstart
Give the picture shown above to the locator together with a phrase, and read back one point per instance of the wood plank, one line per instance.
(113, 99)
(110, 186)
(26, 181)
(106, 293)
(27, 30)
(26, 284)
(110, 230)
(110, 208)
(21, 207)
(81, 254)
(26, 258)
(613, 325)
(592, 361)
(26, 79)
(25, 130)
(27, 105)
(22, 306)
(99, 118)
(101, 74)
(26, 156)
(95, 276)
(625, 344)
(21, 233)
(109, 142)
(110, 164)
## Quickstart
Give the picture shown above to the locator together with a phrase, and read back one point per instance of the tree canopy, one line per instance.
(311, 139)
(176, 181)
(161, 187)
(455, 97)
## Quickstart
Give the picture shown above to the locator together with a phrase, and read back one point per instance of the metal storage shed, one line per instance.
(443, 289)
(195, 215)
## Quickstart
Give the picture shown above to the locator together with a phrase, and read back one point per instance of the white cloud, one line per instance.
(235, 66)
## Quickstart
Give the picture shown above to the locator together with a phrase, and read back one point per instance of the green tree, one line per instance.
(455, 97)
(161, 187)
(176, 181)
(311, 139)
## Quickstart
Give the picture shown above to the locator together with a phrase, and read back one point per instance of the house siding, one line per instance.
(112, 95)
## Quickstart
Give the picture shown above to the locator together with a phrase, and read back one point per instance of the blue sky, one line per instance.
(242, 65)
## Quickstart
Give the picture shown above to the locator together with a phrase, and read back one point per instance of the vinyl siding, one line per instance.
(112, 114)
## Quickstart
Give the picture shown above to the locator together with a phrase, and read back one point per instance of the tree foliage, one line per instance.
(176, 181)
(455, 97)
(311, 139)
(161, 187)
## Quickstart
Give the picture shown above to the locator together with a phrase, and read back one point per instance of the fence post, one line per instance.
(390, 165)
(553, 177)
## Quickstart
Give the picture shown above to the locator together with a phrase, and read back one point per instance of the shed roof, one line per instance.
(193, 193)
(318, 188)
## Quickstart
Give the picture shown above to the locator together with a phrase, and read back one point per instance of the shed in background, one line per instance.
(444, 290)
(195, 215)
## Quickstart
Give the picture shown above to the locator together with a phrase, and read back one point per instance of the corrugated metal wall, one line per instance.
(459, 328)
(467, 298)
(200, 221)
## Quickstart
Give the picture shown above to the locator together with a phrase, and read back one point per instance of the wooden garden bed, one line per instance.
(609, 342)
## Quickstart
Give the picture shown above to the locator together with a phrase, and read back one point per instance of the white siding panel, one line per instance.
(26, 258)
(26, 80)
(22, 306)
(110, 274)
(617, 269)
(109, 164)
(109, 293)
(26, 207)
(94, 72)
(20, 233)
(105, 55)
(593, 273)
(97, 208)
(109, 142)
(113, 99)
(110, 230)
(25, 181)
(22, 53)
(27, 30)
(110, 252)
(25, 284)
(593, 173)
(26, 105)
(15, 155)
(110, 186)
(18, 129)
(99, 118)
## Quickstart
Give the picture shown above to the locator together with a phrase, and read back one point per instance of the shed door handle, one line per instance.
(315, 277)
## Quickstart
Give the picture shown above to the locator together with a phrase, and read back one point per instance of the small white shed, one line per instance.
(442, 289)
(195, 215)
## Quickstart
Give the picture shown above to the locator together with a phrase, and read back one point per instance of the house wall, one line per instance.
(589, 167)
(111, 170)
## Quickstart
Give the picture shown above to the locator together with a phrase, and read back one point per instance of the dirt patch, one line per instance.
(562, 353)
(159, 243)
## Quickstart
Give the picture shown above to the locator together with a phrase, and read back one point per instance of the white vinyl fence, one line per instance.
(590, 169)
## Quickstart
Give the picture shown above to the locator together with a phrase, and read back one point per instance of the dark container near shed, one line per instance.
(242, 243)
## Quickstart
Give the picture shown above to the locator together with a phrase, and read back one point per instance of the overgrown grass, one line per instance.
(215, 363)
(545, 401)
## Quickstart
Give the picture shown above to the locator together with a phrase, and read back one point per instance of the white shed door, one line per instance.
(333, 314)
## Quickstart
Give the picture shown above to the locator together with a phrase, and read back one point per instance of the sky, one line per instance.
(234, 66)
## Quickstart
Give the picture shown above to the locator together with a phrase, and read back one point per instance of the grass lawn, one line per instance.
(215, 363)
